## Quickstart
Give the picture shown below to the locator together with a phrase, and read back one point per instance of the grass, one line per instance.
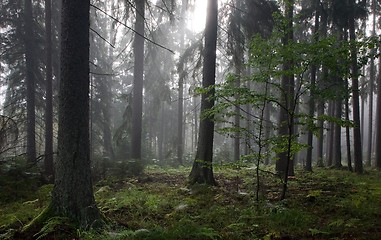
(327, 204)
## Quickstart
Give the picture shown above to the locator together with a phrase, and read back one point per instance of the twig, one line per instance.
(141, 35)
(102, 37)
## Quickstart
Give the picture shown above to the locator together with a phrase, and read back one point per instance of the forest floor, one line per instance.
(326, 204)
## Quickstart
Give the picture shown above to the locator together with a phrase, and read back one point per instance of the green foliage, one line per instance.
(56, 228)
(325, 204)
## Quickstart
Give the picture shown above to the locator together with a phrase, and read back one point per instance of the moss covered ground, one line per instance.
(326, 204)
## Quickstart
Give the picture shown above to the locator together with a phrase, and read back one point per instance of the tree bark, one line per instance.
(337, 136)
(378, 119)
(48, 163)
(284, 165)
(30, 62)
(355, 94)
(137, 99)
(347, 129)
(72, 195)
(371, 89)
(330, 134)
(202, 170)
(311, 109)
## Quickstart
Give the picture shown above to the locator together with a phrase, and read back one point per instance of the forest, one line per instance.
(190, 119)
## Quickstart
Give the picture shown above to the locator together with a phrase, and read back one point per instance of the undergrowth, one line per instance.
(327, 204)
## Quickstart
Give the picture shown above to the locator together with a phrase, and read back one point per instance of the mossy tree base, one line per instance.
(50, 224)
(202, 173)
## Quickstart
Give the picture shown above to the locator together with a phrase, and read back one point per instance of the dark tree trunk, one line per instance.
(248, 125)
(202, 170)
(72, 195)
(311, 109)
(137, 99)
(31, 67)
(284, 164)
(330, 134)
(268, 126)
(337, 138)
(378, 119)
(238, 56)
(321, 103)
(355, 94)
(48, 163)
(320, 140)
(196, 124)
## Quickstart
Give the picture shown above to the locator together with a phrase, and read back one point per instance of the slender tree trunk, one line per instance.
(347, 128)
(371, 89)
(72, 195)
(311, 109)
(362, 107)
(161, 133)
(331, 134)
(30, 81)
(337, 140)
(320, 142)
(267, 133)
(180, 110)
(248, 126)
(48, 163)
(378, 119)
(195, 103)
(284, 165)
(180, 121)
(137, 97)
(321, 103)
(202, 170)
(355, 94)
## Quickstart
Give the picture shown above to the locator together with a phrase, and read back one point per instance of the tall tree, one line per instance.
(30, 62)
(137, 99)
(180, 110)
(378, 116)
(49, 93)
(371, 89)
(314, 67)
(72, 195)
(355, 91)
(202, 170)
(284, 164)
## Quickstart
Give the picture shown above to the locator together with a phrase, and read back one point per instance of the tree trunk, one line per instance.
(30, 62)
(268, 126)
(72, 195)
(48, 163)
(337, 137)
(355, 94)
(248, 126)
(180, 110)
(137, 99)
(378, 119)
(321, 103)
(371, 89)
(330, 134)
(202, 170)
(311, 109)
(284, 165)
(347, 129)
